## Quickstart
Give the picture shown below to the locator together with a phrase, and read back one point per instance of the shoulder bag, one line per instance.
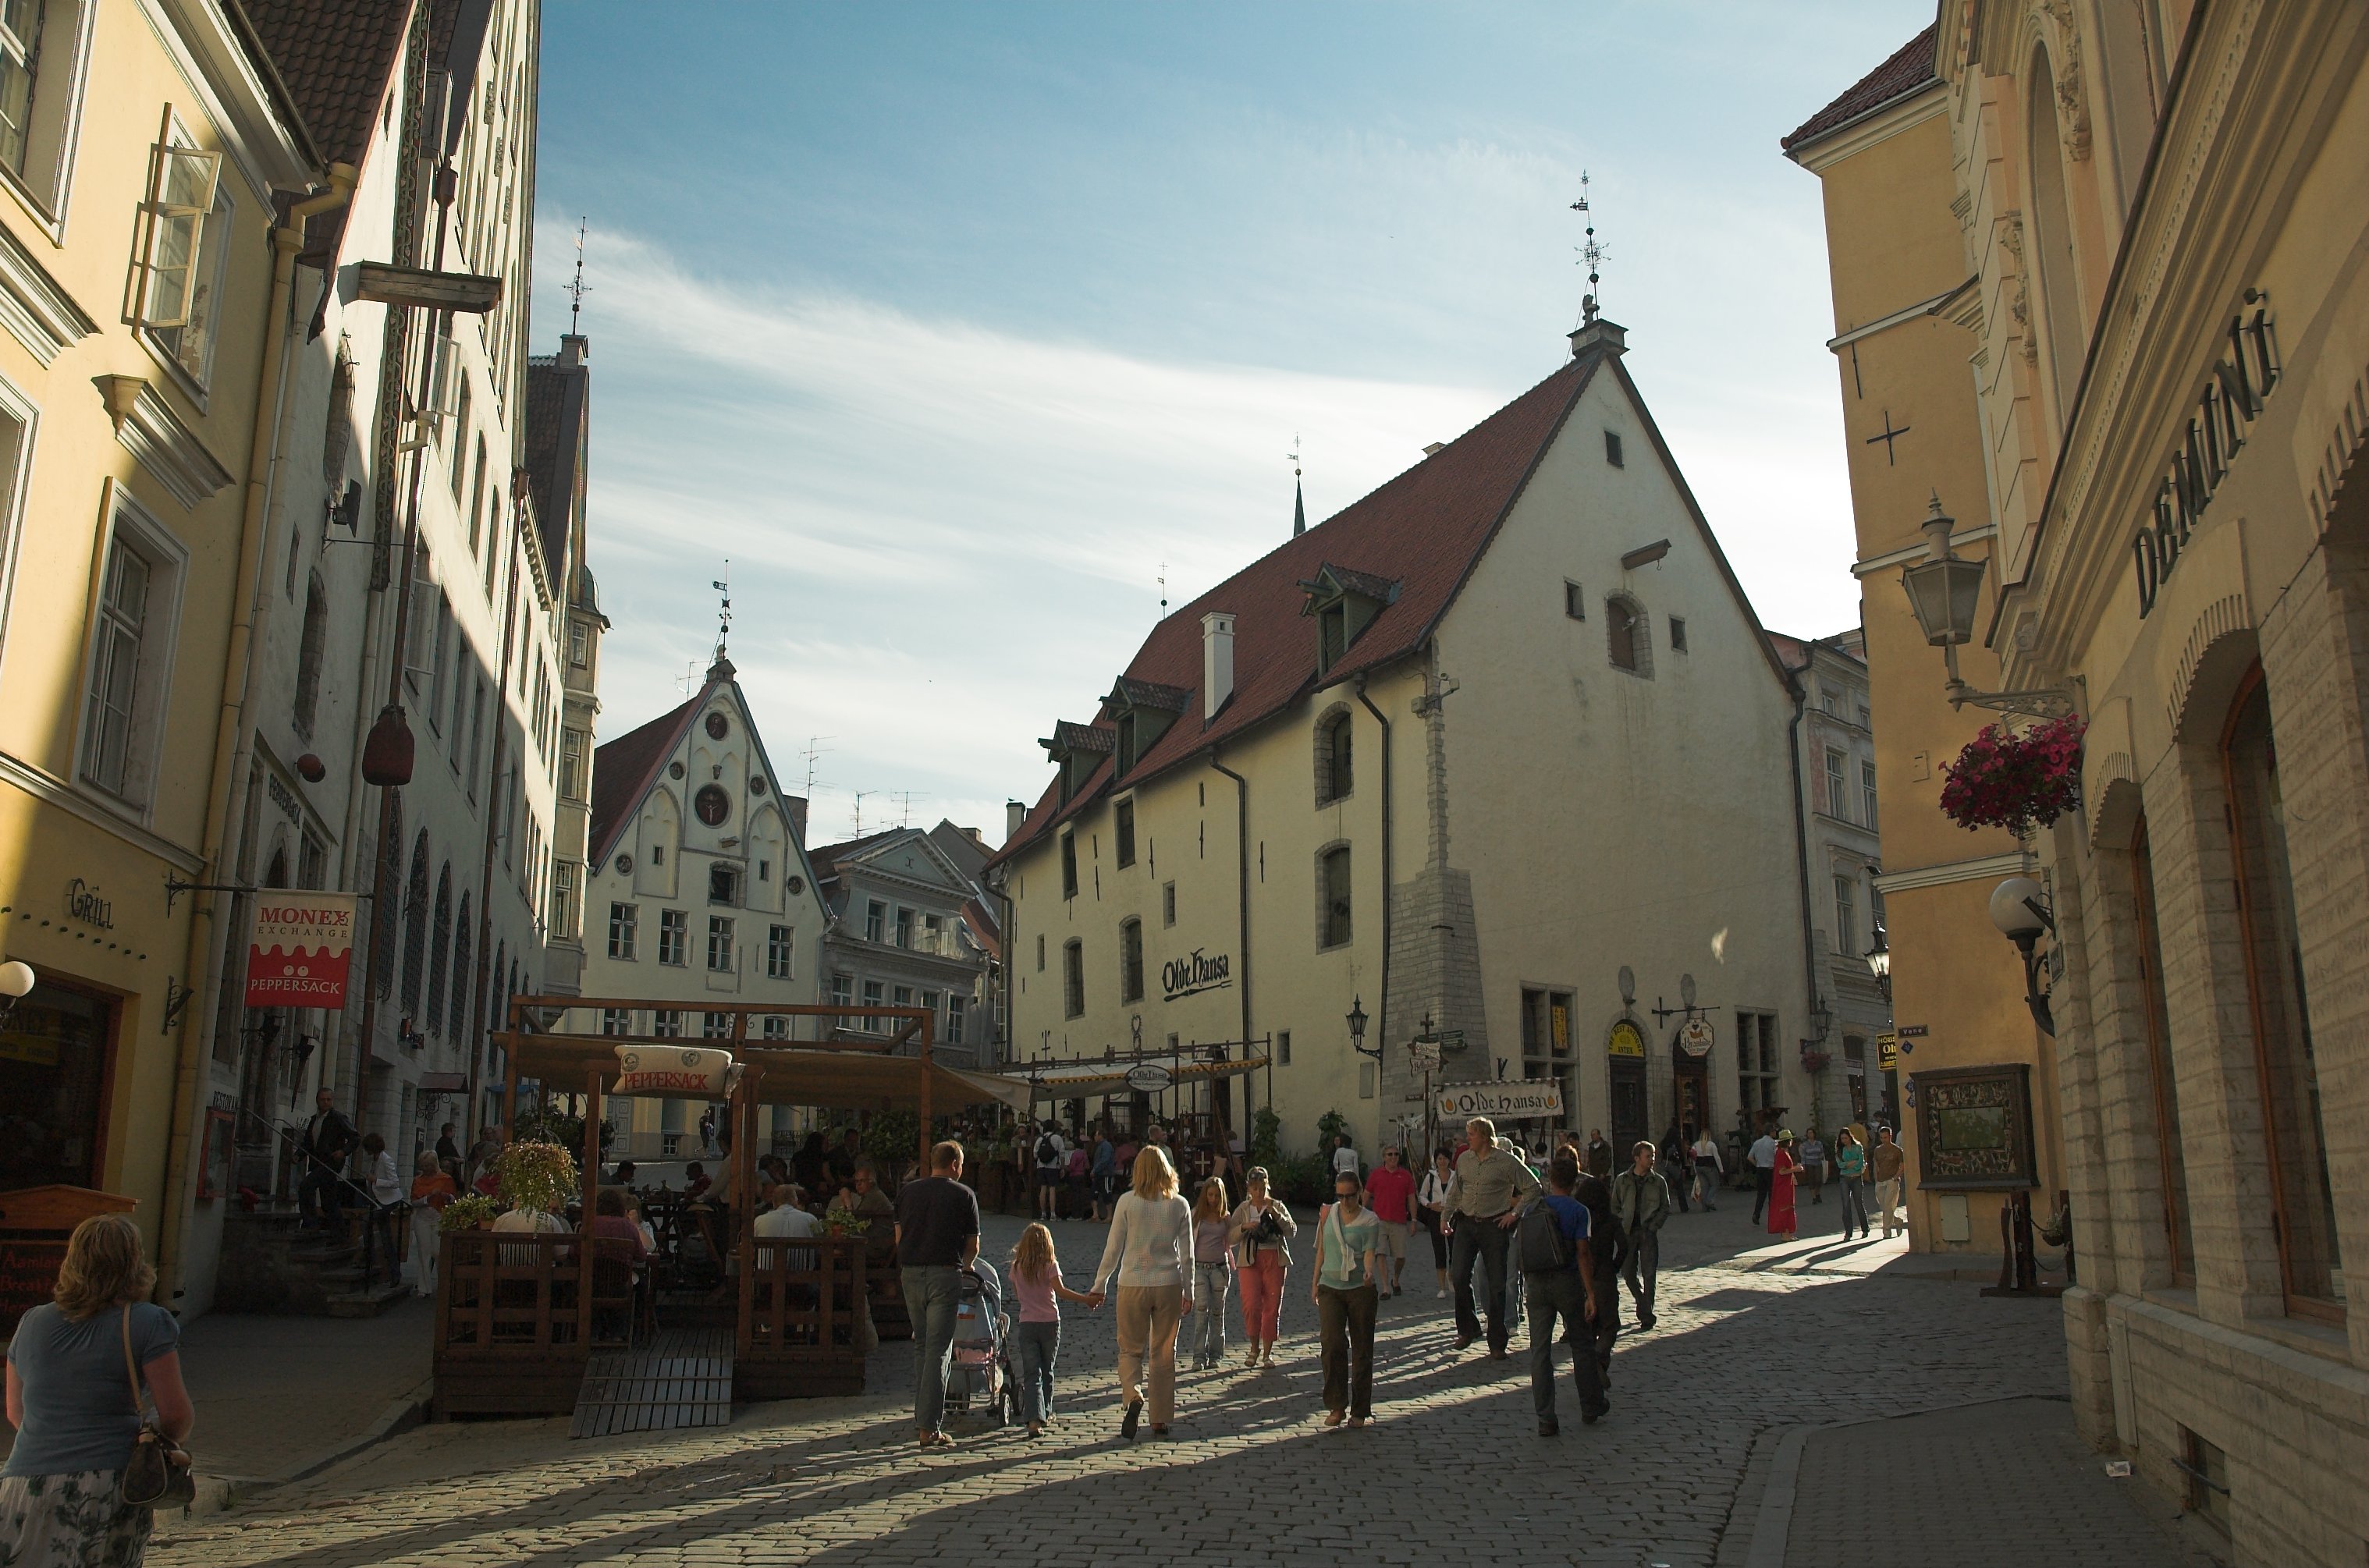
(158, 1474)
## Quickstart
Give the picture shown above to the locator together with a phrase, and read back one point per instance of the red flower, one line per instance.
(2016, 781)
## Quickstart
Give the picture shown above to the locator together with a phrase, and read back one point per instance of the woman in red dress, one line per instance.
(1780, 1188)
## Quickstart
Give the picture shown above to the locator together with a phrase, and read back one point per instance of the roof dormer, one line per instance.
(1076, 749)
(1140, 713)
(1344, 603)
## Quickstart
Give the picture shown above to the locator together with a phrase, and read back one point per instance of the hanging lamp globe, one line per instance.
(386, 755)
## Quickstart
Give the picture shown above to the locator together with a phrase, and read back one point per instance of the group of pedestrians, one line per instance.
(1781, 1162)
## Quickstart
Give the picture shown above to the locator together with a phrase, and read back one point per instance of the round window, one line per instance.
(625, 866)
(674, 770)
(713, 804)
(756, 783)
(798, 884)
(718, 726)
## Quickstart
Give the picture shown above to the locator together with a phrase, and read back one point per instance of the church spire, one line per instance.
(1298, 500)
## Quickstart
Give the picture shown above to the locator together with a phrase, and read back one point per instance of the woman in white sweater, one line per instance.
(1151, 1249)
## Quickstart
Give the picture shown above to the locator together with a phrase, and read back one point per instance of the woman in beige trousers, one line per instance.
(1150, 1251)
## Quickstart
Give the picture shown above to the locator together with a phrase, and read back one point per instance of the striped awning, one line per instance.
(1087, 1080)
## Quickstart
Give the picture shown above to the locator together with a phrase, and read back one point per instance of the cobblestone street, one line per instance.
(1677, 1474)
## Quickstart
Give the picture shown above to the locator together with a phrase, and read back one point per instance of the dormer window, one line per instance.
(1140, 713)
(1344, 603)
(1076, 750)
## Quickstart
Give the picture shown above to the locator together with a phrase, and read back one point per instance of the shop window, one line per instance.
(2296, 1143)
(2171, 1163)
(55, 1051)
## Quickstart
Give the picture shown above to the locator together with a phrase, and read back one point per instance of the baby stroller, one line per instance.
(980, 1381)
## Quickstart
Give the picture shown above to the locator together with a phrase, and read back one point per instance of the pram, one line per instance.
(979, 1378)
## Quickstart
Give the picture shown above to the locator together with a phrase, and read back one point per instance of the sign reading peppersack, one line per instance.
(304, 942)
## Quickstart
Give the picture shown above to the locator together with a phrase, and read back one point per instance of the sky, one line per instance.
(956, 328)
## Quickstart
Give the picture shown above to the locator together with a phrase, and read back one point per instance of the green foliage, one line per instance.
(1303, 1179)
(892, 1138)
(1330, 1126)
(536, 1175)
(1267, 1137)
(467, 1213)
(549, 1126)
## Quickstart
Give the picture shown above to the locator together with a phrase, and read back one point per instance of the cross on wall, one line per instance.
(1887, 436)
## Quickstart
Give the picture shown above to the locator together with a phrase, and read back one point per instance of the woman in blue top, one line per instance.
(1347, 1235)
(71, 1403)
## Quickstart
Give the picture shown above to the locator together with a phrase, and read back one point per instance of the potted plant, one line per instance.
(536, 1175)
(475, 1212)
(2016, 781)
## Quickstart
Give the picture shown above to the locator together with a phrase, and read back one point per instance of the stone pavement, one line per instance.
(1676, 1475)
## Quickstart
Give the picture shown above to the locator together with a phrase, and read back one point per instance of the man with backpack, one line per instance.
(1604, 1241)
(1551, 1243)
(1641, 1202)
(1051, 1152)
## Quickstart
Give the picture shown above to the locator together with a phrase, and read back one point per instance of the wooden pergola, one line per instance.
(515, 1317)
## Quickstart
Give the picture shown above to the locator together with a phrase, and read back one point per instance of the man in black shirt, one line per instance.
(328, 1137)
(937, 1232)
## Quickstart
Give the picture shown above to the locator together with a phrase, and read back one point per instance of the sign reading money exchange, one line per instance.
(1199, 972)
(1519, 1100)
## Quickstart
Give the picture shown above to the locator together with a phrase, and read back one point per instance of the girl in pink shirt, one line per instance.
(1036, 1338)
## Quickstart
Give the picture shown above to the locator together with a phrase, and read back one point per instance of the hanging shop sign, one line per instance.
(301, 950)
(1193, 975)
(2224, 411)
(1524, 1099)
(675, 1073)
(1696, 1038)
(1887, 1051)
(1626, 1040)
(1149, 1078)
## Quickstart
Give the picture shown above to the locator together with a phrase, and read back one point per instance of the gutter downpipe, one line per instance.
(228, 795)
(1242, 881)
(1382, 1007)
(1801, 847)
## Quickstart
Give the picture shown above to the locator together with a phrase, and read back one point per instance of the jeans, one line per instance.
(1854, 1204)
(1209, 1283)
(1345, 1321)
(1762, 1176)
(931, 1295)
(1484, 1239)
(1147, 1346)
(1561, 1294)
(1035, 1347)
(1641, 1260)
(1263, 1297)
(1706, 1184)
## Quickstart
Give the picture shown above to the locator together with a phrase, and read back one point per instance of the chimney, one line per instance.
(796, 806)
(1609, 338)
(572, 350)
(1216, 663)
(1013, 815)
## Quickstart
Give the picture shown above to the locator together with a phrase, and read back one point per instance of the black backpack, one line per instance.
(1540, 1240)
(1048, 1151)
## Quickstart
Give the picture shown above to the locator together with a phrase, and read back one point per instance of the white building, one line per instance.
(909, 928)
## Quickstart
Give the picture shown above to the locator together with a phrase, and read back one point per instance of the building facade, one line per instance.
(1395, 770)
(700, 891)
(2169, 323)
(905, 932)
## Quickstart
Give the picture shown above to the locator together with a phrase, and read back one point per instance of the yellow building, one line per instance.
(1882, 154)
(141, 153)
(1499, 753)
(2161, 231)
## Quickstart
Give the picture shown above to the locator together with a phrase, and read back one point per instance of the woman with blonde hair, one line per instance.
(72, 1399)
(1213, 1272)
(1150, 1251)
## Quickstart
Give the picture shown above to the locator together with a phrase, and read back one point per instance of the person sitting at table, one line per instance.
(624, 1173)
(787, 1217)
(696, 1174)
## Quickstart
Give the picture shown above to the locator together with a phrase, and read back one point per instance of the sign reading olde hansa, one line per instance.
(1196, 973)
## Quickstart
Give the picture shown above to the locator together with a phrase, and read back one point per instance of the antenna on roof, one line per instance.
(815, 748)
(724, 611)
(1298, 501)
(1592, 253)
(580, 288)
(904, 799)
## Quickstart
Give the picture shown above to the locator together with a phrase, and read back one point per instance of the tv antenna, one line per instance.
(904, 799)
(859, 810)
(1592, 253)
(578, 287)
(815, 749)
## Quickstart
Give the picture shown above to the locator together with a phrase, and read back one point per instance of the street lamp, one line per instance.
(1357, 1030)
(1945, 590)
(2021, 917)
(16, 980)
(1879, 961)
(1821, 1018)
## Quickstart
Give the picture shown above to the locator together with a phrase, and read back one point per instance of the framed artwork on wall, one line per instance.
(1973, 1128)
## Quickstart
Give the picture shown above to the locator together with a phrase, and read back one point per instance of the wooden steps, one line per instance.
(682, 1377)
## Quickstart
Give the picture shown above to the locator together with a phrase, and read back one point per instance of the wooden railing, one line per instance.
(802, 1307)
(511, 1333)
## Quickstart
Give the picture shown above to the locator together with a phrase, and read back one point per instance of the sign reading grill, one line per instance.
(1200, 972)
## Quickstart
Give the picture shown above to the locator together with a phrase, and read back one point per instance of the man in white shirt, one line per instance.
(1763, 1155)
(787, 1217)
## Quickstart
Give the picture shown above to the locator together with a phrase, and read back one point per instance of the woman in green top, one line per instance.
(1850, 1164)
(1342, 1290)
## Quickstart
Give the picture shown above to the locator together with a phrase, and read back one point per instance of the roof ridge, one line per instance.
(1906, 70)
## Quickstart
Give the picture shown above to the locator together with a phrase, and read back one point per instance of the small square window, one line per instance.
(1612, 449)
(1677, 633)
(1167, 906)
(1574, 600)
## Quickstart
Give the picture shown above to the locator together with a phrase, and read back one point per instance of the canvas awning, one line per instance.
(785, 1075)
(1086, 1079)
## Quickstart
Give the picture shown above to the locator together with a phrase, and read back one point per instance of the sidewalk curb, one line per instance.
(219, 1493)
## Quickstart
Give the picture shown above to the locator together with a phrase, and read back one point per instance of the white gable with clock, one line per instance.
(700, 892)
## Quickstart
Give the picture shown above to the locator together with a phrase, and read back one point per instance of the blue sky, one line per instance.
(954, 325)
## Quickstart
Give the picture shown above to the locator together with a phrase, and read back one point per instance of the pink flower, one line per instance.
(2016, 781)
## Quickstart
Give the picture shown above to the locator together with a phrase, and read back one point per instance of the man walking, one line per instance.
(1599, 1153)
(1561, 1283)
(328, 1137)
(1050, 1153)
(1594, 1195)
(1888, 1163)
(1641, 1202)
(1763, 1155)
(1390, 1192)
(1482, 1200)
(938, 1233)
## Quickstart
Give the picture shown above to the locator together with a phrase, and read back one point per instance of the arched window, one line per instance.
(382, 904)
(414, 927)
(1333, 773)
(2055, 287)
(308, 655)
(1130, 960)
(1334, 924)
(440, 950)
(1625, 634)
(2171, 1163)
(462, 977)
(497, 1004)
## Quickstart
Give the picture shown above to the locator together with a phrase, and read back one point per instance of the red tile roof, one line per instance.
(1424, 530)
(825, 858)
(1907, 72)
(337, 58)
(624, 770)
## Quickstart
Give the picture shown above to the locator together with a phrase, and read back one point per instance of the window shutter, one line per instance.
(180, 194)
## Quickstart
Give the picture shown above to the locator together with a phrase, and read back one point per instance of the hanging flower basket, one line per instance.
(1816, 1061)
(2016, 781)
(536, 1175)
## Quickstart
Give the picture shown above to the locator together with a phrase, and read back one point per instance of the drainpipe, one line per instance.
(1801, 847)
(227, 797)
(1242, 880)
(1383, 1006)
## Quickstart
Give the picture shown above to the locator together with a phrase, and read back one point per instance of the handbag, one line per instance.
(159, 1474)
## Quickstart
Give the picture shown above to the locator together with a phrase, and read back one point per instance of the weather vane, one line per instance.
(1298, 498)
(1592, 253)
(580, 288)
(722, 586)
